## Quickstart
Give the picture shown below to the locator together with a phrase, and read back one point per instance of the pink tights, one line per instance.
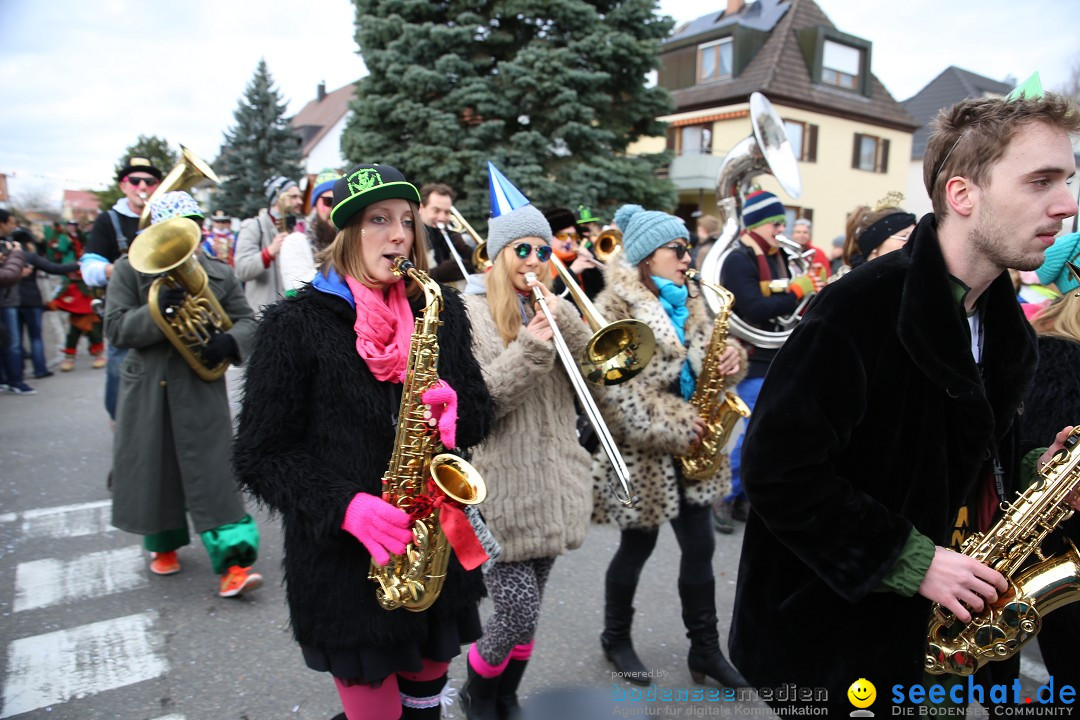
(367, 702)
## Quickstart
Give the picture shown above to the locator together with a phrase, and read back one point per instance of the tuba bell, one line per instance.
(190, 172)
(168, 249)
(765, 151)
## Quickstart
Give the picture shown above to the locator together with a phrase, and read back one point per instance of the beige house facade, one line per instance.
(852, 140)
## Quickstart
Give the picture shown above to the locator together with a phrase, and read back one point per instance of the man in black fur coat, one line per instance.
(859, 495)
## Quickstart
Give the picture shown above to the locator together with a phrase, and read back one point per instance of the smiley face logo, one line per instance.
(862, 693)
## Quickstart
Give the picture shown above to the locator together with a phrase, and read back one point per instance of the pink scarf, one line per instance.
(383, 328)
(384, 331)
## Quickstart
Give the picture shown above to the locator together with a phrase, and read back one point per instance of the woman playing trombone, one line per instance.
(539, 497)
(655, 423)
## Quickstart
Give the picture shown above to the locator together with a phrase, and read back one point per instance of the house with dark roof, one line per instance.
(851, 138)
(320, 124)
(950, 87)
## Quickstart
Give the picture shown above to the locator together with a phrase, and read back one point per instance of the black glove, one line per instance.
(221, 347)
(170, 298)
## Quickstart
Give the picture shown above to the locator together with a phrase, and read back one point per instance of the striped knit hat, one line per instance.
(760, 208)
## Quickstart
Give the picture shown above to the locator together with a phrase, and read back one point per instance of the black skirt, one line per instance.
(370, 665)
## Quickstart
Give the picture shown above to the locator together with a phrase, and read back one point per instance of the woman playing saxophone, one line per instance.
(317, 432)
(655, 423)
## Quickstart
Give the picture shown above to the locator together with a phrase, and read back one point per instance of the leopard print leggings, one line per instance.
(516, 588)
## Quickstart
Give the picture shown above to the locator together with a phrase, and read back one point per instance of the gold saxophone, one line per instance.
(719, 407)
(414, 579)
(998, 632)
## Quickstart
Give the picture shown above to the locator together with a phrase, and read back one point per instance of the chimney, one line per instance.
(320, 93)
(733, 7)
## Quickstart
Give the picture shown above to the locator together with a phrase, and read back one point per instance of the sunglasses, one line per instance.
(566, 237)
(147, 181)
(524, 250)
(679, 250)
(327, 200)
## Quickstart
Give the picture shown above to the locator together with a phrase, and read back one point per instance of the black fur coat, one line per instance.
(316, 428)
(872, 420)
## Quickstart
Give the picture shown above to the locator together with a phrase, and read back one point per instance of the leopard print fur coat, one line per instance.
(649, 420)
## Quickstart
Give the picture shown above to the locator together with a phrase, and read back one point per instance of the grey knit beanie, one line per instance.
(646, 230)
(524, 222)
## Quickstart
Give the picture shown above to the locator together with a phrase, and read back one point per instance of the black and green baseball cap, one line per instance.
(366, 184)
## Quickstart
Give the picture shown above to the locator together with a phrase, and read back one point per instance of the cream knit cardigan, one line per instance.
(537, 475)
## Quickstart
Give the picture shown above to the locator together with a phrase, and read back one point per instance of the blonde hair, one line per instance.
(502, 298)
(1061, 318)
(345, 256)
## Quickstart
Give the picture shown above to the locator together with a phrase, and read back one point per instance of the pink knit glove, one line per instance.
(381, 527)
(442, 399)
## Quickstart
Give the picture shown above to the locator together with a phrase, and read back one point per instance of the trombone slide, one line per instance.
(570, 364)
(454, 252)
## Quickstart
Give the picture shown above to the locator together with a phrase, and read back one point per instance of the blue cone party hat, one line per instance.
(504, 196)
(512, 215)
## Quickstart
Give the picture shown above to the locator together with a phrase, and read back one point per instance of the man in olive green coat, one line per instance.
(173, 440)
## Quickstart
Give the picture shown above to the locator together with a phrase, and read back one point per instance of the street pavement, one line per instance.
(87, 632)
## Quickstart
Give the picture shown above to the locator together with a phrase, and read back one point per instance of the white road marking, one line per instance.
(42, 583)
(59, 666)
(89, 518)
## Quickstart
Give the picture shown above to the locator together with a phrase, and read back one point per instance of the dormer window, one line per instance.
(840, 65)
(836, 59)
(714, 60)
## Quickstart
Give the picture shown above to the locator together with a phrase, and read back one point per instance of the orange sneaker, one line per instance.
(99, 362)
(237, 580)
(164, 563)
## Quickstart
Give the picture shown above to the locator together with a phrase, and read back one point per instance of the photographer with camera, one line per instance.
(259, 242)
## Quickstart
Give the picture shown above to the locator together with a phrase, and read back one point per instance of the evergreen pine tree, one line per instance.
(261, 144)
(154, 149)
(551, 91)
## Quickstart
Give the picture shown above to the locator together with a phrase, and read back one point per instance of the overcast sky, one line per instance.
(83, 79)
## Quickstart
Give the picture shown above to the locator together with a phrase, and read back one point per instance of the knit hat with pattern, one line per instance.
(760, 208)
(174, 204)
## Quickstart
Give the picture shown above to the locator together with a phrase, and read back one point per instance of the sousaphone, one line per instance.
(766, 150)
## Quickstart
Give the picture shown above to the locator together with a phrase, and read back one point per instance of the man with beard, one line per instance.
(886, 430)
(300, 251)
(259, 241)
(436, 199)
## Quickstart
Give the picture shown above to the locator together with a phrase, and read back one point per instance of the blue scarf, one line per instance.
(673, 300)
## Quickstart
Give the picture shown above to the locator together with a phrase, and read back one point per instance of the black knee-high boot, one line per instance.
(699, 616)
(478, 696)
(616, 641)
(420, 698)
(506, 700)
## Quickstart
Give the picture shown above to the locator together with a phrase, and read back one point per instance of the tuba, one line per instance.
(414, 579)
(719, 407)
(765, 151)
(168, 249)
(190, 172)
(1001, 629)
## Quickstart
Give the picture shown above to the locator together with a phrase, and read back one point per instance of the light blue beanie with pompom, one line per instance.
(645, 230)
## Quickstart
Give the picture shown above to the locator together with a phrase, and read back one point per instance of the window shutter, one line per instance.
(671, 133)
(810, 151)
(808, 213)
(855, 151)
(884, 156)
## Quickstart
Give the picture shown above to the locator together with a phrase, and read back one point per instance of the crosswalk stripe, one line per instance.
(170, 717)
(56, 667)
(89, 518)
(1034, 670)
(42, 583)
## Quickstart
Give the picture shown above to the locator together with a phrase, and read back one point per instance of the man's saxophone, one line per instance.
(998, 632)
(414, 579)
(719, 407)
